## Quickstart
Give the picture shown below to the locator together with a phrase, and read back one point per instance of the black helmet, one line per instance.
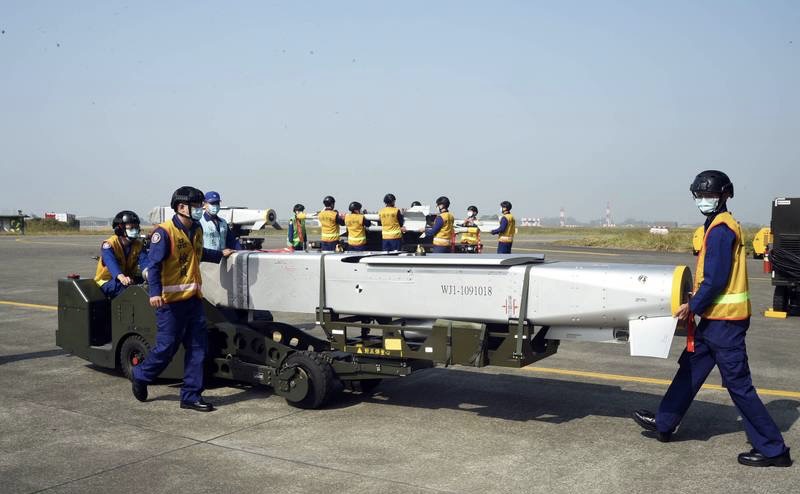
(123, 218)
(473, 208)
(186, 195)
(389, 199)
(416, 203)
(298, 207)
(329, 201)
(712, 181)
(443, 201)
(354, 206)
(505, 205)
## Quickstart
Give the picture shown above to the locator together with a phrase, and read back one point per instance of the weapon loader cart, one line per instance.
(357, 350)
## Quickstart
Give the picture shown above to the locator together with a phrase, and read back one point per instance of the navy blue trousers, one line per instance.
(721, 343)
(389, 245)
(329, 246)
(441, 249)
(112, 288)
(356, 248)
(504, 247)
(179, 322)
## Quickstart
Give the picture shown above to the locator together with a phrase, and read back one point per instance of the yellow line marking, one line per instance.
(54, 243)
(650, 380)
(30, 306)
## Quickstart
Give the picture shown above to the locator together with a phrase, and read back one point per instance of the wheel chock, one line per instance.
(775, 314)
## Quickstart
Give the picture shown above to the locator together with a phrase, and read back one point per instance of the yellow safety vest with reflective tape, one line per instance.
(129, 265)
(390, 227)
(356, 232)
(180, 271)
(733, 303)
(472, 236)
(507, 235)
(444, 237)
(328, 224)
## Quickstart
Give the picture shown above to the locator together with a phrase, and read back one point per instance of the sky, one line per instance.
(112, 105)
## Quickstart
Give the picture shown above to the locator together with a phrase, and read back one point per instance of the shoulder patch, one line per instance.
(106, 245)
(156, 238)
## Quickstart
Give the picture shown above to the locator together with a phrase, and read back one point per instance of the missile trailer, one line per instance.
(381, 316)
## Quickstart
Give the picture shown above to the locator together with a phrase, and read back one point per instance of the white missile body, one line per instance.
(578, 301)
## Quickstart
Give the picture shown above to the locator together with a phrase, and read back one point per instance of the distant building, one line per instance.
(62, 217)
(95, 223)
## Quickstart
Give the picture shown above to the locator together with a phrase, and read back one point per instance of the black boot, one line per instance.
(756, 459)
(647, 421)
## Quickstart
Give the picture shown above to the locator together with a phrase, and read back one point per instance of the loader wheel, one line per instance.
(132, 353)
(780, 299)
(313, 381)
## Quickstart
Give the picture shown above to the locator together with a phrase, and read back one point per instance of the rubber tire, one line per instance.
(780, 299)
(322, 381)
(132, 345)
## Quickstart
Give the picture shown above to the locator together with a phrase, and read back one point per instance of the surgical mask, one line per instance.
(470, 214)
(197, 213)
(132, 232)
(213, 209)
(707, 205)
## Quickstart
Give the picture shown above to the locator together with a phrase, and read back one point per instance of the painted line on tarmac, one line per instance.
(29, 306)
(54, 243)
(649, 380)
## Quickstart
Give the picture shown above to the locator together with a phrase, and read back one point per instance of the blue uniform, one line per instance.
(114, 287)
(502, 247)
(179, 322)
(720, 343)
(231, 242)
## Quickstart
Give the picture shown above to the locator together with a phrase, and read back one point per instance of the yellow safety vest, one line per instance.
(129, 265)
(180, 271)
(445, 236)
(390, 227)
(733, 303)
(472, 236)
(356, 232)
(507, 236)
(330, 228)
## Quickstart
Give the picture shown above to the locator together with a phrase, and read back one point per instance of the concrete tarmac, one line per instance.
(560, 426)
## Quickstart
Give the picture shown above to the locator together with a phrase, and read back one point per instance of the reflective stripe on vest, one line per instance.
(356, 233)
(129, 265)
(444, 237)
(328, 224)
(390, 227)
(733, 303)
(180, 271)
(507, 235)
(213, 239)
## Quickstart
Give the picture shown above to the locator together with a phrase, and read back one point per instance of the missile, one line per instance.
(239, 218)
(577, 301)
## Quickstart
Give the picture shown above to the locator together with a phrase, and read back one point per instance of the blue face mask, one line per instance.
(197, 213)
(213, 209)
(707, 205)
(132, 232)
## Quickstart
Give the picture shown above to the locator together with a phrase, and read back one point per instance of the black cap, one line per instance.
(328, 201)
(298, 207)
(186, 195)
(443, 200)
(123, 218)
(712, 181)
(389, 199)
(354, 206)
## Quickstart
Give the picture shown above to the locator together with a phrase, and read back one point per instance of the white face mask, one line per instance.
(707, 205)
(197, 213)
(470, 214)
(213, 209)
(132, 232)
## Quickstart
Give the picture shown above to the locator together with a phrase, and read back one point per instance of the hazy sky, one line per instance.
(111, 105)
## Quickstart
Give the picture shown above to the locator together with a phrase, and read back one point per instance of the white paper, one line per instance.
(652, 337)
